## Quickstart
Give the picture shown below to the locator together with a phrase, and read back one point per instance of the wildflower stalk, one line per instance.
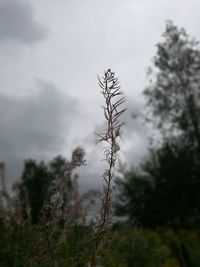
(59, 204)
(112, 113)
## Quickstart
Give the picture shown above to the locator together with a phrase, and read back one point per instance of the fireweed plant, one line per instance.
(61, 204)
(113, 97)
(64, 207)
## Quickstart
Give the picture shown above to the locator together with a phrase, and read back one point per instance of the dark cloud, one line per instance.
(17, 22)
(34, 126)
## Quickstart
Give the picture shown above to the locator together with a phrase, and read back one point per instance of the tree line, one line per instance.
(165, 189)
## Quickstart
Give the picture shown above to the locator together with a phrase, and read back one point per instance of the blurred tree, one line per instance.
(35, 181)
(165, 190)
(173, 96)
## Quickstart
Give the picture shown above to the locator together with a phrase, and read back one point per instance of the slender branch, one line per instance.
(113, 100)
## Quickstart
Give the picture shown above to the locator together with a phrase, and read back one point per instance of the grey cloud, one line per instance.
(135, 132)
(133, 115)
(138, 133)
(17, 22)
(34, 126)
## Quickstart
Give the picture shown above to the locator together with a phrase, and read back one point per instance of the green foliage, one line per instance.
(35, 181)
(159, 248)
(165, 191)
(134, 197)
(137, 248)
(22, 246)
(173, 95)
(17, 245)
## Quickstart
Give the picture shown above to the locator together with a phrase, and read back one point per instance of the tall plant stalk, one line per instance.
(112, 112)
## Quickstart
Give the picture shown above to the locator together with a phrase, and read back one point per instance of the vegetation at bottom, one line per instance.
(45, 222)
(124, 248)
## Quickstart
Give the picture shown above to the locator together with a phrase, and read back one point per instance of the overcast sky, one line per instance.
(51, 53)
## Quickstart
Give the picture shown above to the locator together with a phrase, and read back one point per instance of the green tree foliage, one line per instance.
(35, 180)
(165, 189)
(173, 96)
(164, 192)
